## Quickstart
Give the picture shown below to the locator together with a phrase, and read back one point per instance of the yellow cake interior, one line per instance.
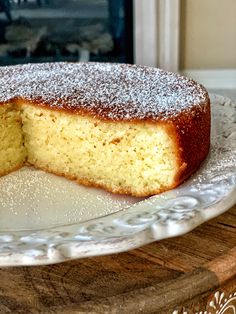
(12, 150)
(123, 157)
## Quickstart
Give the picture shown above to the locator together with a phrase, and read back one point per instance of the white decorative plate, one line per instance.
(47, 219)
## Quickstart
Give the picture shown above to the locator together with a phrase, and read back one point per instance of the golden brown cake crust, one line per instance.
(122, 93)
(4, 173)
(192, 138)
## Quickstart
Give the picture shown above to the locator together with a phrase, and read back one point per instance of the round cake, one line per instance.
(128, 129)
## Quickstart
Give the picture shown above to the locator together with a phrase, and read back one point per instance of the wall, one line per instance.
(208, 34)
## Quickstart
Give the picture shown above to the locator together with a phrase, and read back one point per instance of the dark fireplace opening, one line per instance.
(66, 30)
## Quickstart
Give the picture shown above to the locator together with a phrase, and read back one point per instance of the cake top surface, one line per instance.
(109, 91)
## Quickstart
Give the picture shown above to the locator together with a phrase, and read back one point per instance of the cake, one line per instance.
(128, 129)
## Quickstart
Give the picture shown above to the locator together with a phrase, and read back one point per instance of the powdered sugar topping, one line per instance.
(111, 91)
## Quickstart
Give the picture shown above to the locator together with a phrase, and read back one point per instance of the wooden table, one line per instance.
(186, 274)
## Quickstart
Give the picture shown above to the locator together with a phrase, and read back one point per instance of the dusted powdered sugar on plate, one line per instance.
(113, 91)
(222, 155)
(29, 195)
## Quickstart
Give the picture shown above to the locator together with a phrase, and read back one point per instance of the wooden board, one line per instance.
(186, 274)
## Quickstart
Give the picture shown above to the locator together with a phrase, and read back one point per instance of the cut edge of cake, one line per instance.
(139, 159)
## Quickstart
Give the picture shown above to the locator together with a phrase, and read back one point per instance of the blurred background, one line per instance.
(196, 38)
(71, 30)
(208, 43)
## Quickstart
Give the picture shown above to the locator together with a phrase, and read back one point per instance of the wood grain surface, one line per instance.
(178, 274)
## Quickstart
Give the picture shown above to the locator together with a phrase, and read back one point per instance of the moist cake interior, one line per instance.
(12, 150)
(122, 157)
